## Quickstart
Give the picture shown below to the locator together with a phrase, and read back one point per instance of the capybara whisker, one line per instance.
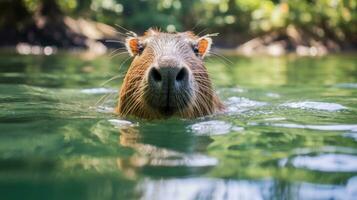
(128, 34)
(103, 98)
(112, 78)
(222, 57)
(123, 63)
(115, 41)
(220, 60)
(117, 54)
(117, 49)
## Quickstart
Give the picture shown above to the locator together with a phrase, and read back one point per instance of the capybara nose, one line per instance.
(168, 75)
(168, 89)
(168, 79)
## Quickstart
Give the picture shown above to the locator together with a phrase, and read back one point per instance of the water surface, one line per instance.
(289, 132)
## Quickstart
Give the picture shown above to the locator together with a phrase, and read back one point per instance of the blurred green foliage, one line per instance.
(335, 19)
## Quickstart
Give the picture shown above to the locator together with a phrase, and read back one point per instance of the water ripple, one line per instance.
(152, 155)
(324, 162)
(203, 188)
(188, 160)
(315, 105)
(214, 188)
(352, 135)
(105, 109)
(330, 127)
(241, 104)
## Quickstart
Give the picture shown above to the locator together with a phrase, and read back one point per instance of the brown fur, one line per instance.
(133, 91)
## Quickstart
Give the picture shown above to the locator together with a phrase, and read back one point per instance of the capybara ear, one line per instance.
(203, 46)
(133, 46)
(152, 32)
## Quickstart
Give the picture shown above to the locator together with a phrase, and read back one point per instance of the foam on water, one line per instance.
(214, 127)
(315, 105)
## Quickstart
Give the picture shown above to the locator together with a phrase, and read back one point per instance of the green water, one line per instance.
(289, 132)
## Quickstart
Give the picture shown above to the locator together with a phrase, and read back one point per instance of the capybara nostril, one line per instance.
(182, 75)
(166, 85)
(167, 78)
(155, 74)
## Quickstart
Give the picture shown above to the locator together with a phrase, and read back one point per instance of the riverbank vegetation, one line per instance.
(249, 26)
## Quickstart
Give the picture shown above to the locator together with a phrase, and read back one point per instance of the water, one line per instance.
(289, 132)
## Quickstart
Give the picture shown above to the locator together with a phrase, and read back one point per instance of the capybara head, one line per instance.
(167, 77)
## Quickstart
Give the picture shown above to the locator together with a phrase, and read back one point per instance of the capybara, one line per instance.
(167, 77)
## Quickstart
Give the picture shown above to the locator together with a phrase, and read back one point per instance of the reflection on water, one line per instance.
(289, 132)
(332, 127)
(347, 85)
(325, 162)
(206, 188)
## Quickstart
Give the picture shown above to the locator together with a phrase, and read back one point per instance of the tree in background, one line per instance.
(329, 22)
(38, 22)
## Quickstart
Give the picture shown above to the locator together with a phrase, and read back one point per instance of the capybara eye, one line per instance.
(134, 46)
(140, 48)
(195, 49)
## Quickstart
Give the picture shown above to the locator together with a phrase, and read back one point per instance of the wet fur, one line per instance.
(203, 100)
